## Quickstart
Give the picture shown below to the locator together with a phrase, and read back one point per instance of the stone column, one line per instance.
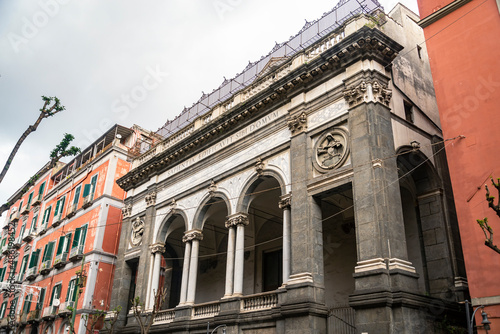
(185, 272)
(239, 220)
(157, 249)
(194, 236)
(231, 240)
(284, 204)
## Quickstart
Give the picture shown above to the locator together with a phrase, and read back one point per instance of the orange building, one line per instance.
(462, 39)
(72, 213)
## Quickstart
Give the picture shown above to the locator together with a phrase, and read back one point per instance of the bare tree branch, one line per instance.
(483, 223)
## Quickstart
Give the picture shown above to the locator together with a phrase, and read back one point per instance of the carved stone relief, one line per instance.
(137, 231)
(331, 150)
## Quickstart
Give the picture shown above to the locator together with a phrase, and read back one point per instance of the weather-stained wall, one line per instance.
(464, 51)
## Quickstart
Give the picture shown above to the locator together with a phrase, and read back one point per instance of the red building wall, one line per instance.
(464, 50)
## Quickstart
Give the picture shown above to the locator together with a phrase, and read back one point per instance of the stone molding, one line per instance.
(237, 219)
(300, 278)
(127, 211)
(259, 166)
(385, 264)
(285, 201)
(192, 235)
(212, 188)
(396, 263)
(442, 12)
(150, 198)
(297, 124)
(368, 91)
(158, 247)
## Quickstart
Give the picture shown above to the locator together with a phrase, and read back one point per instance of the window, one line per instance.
(46, 216)
(21, 232)
(33, 223)
(63, 246)
(56, 293)
(24, 264)
(89, 189)
(79, 239)
(41, 189)
(59, 207)
(20, 206)
(34, 259)
(408, 111)
(30, 198)
(2, 273)
(41, 297)
(2, 309)
(77, 195)
(47, 253)
(71, 294)
(27, 304)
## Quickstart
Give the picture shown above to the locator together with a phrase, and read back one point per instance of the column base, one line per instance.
(300, 278)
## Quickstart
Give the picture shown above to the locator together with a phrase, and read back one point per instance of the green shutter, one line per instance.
(94, 183)
(41, 297)
(76, 239)
(83, 235)
(42, 188)
(60, 247)
(67, 242)
(2, 272)
(71, 291)
(24, 263)
(2, 309)
(77, 195)
(45, 253)
(56, 211)
(62, 200)
(27, 304)
(51, 249)
(30, 197)
(86, 190)
(34, 258)
(33, 223)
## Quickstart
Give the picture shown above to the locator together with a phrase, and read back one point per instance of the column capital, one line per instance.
(285, 201)
(298, 123)
(192, 235)
(368, 91)
(127, 211)
(237, 219)
(157, 247)
(151, 198)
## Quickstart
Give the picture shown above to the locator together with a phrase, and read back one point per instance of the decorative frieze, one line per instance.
(298, 123)
(368, 91)
(192, 235)
(127, 211)
(356, 95)
(285, 201)
(137, 231)
(237, 219)
(158, 247)
(381, 93)
(151, 198)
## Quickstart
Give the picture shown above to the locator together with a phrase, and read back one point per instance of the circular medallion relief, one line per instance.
(331, 149)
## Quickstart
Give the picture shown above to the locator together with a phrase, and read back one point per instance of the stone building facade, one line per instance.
(315, 200)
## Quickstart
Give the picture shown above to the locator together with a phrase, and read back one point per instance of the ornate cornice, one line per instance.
(442, 12)
(192, 235)
(237, 219)
(158, 247)
(365, 43)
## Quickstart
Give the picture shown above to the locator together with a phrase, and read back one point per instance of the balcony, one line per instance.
(15, 217)
(61, 260)
(5, 249)
(261, 301)
(87, 201)
(17, 242)
(163, 317)
(26, 209)
(28, 235)
(34, 316)
(38, 200)
(71, 210)
(42, 229)
(31, 273)
(49, 312)
(63, 308)
(76, 253)
(24, 318)
(46, 267)
(206, 310)
(58, 219)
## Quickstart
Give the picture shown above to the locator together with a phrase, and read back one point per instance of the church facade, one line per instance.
(313, 200)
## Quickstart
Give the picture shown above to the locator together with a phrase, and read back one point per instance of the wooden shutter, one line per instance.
(60, 246)
(41, 189)
(41, 297)
(93, 182)
(77, 195)
(83, 235)
(86, 190)
(56, 211)
(67, 242)
(76, 239)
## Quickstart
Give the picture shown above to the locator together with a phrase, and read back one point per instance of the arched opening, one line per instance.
(212, 255)
(263, 266)
(171, 262)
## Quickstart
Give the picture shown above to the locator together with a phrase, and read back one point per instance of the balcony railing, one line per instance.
(28, 235)
(17, 243)
(49, 312)
(87, 201)
(58, 219)
(261, 301)
(15, 217)
(46, 267)
(76, 253)
(42, 229)
(164, 317)
(206, 310)
(38, 200)
(5, 249)
(63, 308)
(31, 273)
(26, 209)
(34, 316)
(60, 260)
(71, 211)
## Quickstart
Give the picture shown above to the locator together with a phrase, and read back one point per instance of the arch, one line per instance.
(244, 199)
(62, 327)
(205, 204)
(165, 226)
(416, 165)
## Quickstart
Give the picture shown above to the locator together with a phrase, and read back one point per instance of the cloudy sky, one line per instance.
(92, 54)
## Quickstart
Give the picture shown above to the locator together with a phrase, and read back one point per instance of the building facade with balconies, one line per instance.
(309, 194)
(67, 228)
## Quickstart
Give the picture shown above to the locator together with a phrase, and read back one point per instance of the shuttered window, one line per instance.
(80, 234)
(71, 294)
(34, 258)
(56, 293)
(59, 206)
(77, 194)
(48, 251)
